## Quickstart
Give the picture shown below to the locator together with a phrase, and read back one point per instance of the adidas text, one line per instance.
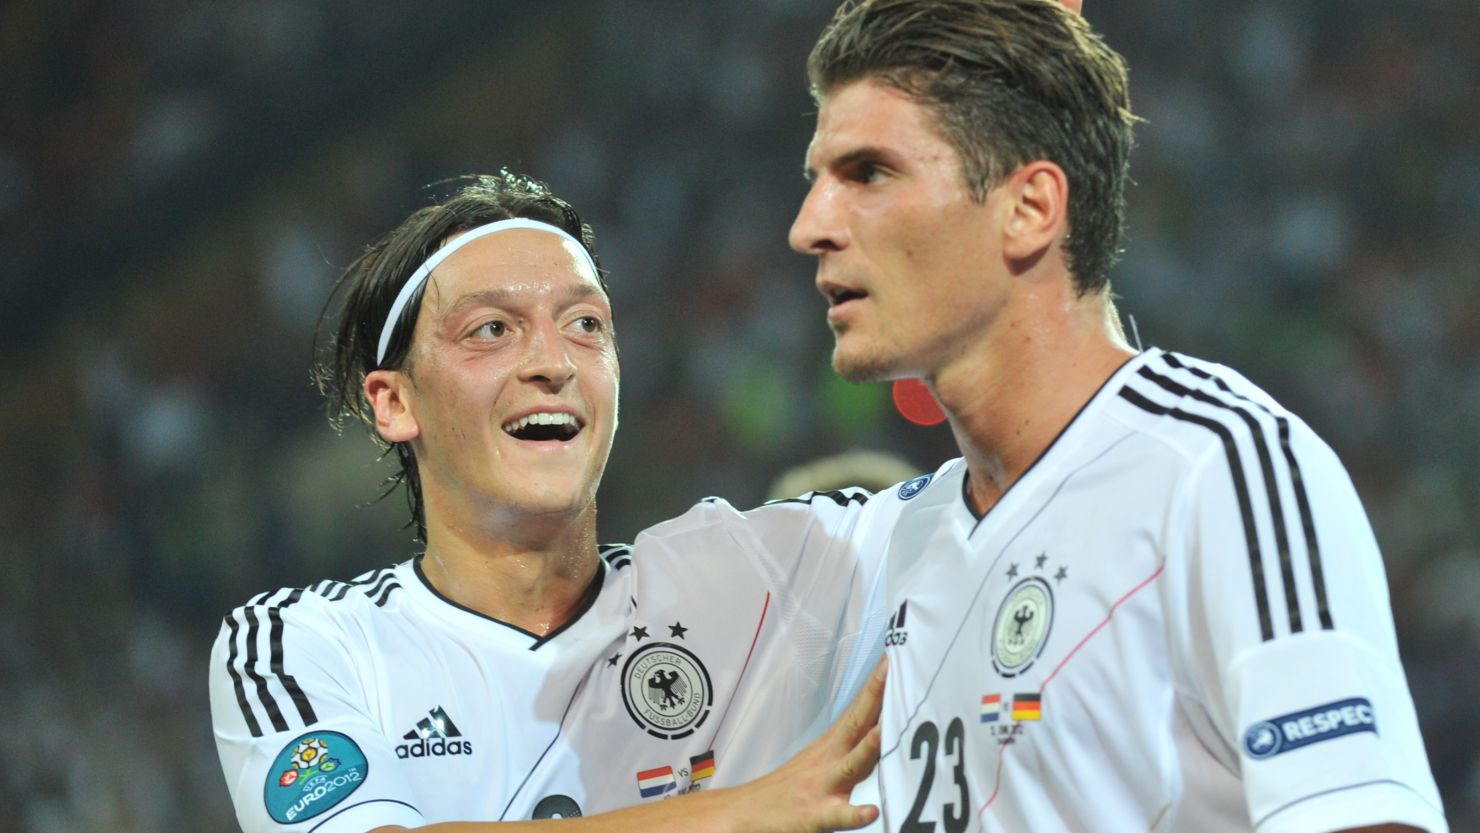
(437, 748)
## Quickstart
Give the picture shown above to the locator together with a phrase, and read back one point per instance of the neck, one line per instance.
(531, 574)
(1015, 390)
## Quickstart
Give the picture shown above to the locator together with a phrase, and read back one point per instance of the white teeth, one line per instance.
(539, 419)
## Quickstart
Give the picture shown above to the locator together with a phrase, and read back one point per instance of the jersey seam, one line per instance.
(1237, 468)
(343, 810)
(1271, 814)
(1246, 654)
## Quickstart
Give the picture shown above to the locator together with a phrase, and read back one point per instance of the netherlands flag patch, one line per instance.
(991, 708)
(653, 782)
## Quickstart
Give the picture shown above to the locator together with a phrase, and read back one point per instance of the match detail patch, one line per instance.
(312, 774)
(1286, 733)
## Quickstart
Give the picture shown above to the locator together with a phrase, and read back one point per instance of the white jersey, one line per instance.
(701, 655)
(1176, 620)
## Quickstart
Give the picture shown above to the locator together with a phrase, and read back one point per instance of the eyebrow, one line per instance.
(501, 296)
(867, 153)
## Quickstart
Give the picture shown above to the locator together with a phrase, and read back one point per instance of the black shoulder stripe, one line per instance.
(1240, 488)
(274, 714)
(341, 589)
(300, 700)
(1271, 485)
(1297, 481)
(381, 585)
(834, 495)
(233, 629)
(617, 555)
(1308, 524)
(373, 577)
(385, 594)
(381, 580)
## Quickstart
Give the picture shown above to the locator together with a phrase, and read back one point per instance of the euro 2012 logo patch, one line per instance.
(312, 774)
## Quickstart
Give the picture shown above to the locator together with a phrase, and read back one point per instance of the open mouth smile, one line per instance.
(545, 426)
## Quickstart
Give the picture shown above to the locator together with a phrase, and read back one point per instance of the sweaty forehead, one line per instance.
(516, 264)
(868, 114)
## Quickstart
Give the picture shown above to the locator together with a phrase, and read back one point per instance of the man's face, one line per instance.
(909, 262)
(512, 380)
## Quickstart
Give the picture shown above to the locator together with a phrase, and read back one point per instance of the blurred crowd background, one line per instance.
(180, 183)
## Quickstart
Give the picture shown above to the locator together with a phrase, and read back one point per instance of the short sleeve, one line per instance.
(293, 726)
(826, 550)
(1289, 640)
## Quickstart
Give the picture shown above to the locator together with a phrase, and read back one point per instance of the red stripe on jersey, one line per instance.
(753, 640)
(1046, 680)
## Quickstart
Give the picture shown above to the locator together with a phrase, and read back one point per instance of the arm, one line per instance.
(1289, 641)
(808, 794)
(302, 751)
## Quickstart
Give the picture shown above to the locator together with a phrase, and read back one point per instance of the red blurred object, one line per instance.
(916, 404)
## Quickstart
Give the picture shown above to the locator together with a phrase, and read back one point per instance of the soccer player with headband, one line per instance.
(514, 669)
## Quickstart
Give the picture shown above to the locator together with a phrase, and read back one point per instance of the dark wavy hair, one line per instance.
(1007, 82)
(346, 347)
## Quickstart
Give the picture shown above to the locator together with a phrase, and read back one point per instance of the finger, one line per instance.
(875, 689)
(860, 716)
(1075, 6)
(847, 816)
(859, 762)
(863, 713)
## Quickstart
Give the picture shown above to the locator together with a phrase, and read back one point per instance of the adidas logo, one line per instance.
(895, 634)
(432, 738)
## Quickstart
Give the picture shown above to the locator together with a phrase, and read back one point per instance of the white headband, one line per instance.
(419, 277)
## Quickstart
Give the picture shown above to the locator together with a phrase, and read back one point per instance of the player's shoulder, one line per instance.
(714, 514)
(884, 500)
(1200, 408)
(371, 593)
(715, 524)
(943, 483)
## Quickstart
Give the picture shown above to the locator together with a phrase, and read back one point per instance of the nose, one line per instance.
(818, 228)
(546, 360)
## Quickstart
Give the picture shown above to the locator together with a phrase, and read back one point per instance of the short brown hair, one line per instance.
(1008, 82)
(371, 283)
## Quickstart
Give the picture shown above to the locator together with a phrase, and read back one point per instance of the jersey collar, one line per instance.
(1063, 438)
(536, 641)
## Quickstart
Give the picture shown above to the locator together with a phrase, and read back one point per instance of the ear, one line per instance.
(1038, 211)
(391, 395)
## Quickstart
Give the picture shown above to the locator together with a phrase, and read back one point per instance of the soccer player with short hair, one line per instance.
(1146, 597)
(515, 670)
